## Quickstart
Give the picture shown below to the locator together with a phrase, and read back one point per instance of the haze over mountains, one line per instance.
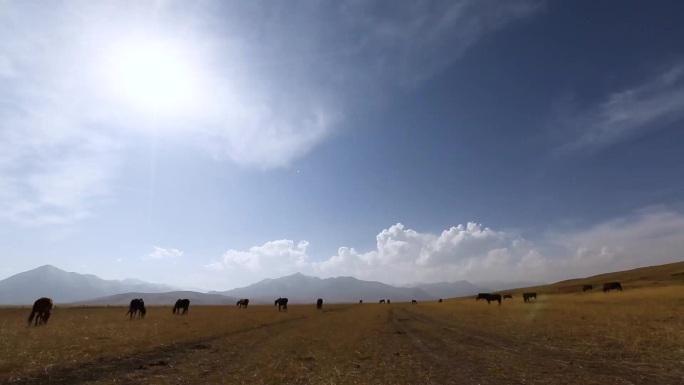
(73, 288)
(63, 287)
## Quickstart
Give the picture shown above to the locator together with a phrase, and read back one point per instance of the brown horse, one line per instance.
(42, 308)
(509, 296)
(611, 286)
(243, 303)
(527, 297)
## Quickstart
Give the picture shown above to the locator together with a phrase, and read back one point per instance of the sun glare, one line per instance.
(153, 76)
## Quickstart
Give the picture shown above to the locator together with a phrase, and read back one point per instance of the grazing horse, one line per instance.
(527, 297)
(489, 297)
(243, 303)
(360, 301)
(319, 303)
(440, 300)
(181, 304)
(137, 306)
(587, 288)
(382, 301)
(414, 301)
(282, 303)
(611, 286)
(509, 296)
(41, 308)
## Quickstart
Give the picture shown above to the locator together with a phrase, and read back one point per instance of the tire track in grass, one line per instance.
(110, 370)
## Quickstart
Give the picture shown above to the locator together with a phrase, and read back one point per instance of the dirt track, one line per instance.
(400, 344)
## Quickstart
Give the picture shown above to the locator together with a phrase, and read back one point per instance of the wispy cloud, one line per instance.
(264, 89)
(627, 113)
(473, 252)
(162, 253)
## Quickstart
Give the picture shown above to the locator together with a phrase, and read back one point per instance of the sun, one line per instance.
(152, 75)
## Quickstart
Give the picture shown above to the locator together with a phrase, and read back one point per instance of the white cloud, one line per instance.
(275, 256)
(162, 253)
(119, 260)
(265, 89)
(628, 113)
(476, 253)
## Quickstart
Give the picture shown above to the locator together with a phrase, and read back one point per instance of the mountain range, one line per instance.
(76, 289)
(63, 287)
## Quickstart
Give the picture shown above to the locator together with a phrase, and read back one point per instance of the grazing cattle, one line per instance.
(282, 303)
(243, 303)
(137, 307)
(440, 300)
(181, 304)
(587, 288)
(611, 286)
(414, 301)
(509, 296)
(527, 297)
(319, 303)
(41, 311)
(382, 301)
(360, 301)
(489, 297)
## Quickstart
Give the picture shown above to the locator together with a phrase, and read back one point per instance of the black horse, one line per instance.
(319, 303)
(414, 301)
(527, 297)
(440, 300)
(587, 288)
(509, 296)
(137, 306)
(360, 301)
(611, 286)
(41, 308)
(382, 301)
(282, 303)
(489, 297)
(388, 301)
(243, 303)
(181, 304)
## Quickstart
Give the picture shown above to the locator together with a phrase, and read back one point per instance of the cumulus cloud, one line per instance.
(281, 255)
(628, 113)
(264, 89)
(477, 253)
(162, 253)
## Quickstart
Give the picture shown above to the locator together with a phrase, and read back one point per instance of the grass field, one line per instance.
(633, 337)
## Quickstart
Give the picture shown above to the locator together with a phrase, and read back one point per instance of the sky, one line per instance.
(212, 144)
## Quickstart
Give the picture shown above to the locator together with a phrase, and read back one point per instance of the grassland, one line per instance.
(633, 337)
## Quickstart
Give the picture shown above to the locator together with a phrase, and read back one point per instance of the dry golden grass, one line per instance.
(632, 337)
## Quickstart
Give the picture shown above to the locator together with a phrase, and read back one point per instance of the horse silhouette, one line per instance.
(527, 297)
(41, 311)
(414, 301)
(243, 303)
(181, 304)
(489, 297)
(137, 307)
(319, 303)
(282, 303)
(611, 286)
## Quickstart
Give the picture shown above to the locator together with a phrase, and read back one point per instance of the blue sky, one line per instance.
(214, 144)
